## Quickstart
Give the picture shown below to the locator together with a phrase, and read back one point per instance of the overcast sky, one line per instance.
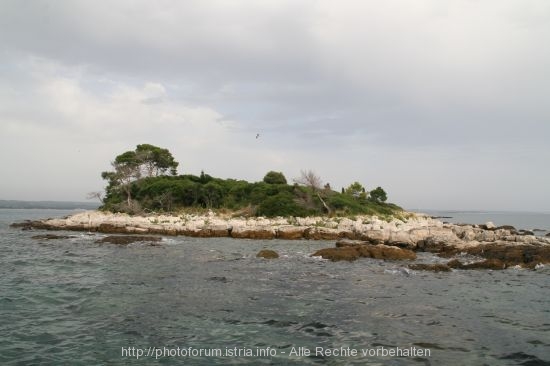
(445, 104)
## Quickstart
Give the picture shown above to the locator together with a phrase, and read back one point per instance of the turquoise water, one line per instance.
(75, 302)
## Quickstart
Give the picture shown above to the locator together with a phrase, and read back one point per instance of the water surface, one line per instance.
(73, 301)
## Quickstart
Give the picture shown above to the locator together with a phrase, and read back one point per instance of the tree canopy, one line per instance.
(378, 195)
(145, 180)
(274, 178)
(145, 161)
(356, 190)
(155, 161)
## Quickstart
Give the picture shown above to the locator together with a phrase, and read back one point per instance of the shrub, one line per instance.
(378, 195)
(274, 178)
(282, 204)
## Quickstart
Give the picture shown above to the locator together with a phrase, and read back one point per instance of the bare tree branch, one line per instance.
(95, 195)
(309, 179)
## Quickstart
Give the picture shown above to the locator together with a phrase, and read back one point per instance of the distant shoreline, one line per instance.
(533, 221)
(51, 205)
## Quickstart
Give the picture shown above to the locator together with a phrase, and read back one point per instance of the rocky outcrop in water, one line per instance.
(128, 239)
(414, 233)
(51, 237)
(338, 254)
(267, 254)
(352, 250)
(432, 267)
(456, 264)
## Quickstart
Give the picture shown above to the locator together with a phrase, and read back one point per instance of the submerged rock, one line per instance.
(506, 227)
(486, 264)
(221, 279)
(456, 264)
(51, 237)
(128, 239)
(433, 267)
(338, 254)
(267, 254)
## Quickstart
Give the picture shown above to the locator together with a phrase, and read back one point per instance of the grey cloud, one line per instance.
(320, 79)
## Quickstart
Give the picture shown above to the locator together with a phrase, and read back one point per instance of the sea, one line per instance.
(537, 222)
(210, 301)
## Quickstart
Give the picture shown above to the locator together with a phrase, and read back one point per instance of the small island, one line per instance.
(145, 181)
(145, 195)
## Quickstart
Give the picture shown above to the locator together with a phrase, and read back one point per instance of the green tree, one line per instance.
(356, 190)
(205, 178)
(126, 170)
(378, 195)
(274, 178)
(130, 166)
(211, 194)
(155, 161)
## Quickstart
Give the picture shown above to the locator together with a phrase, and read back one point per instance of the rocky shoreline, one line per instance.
(497, 247)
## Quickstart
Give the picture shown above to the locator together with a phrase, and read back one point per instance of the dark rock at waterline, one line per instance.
(379, 251)
(128, 239)
(322, 233)
(525, 255)
(30, 224)
(207, 231)
(338, 254)
(352, 250)
(434, 267)
(111, 228)
(486, 264)
(253, 233)
(547, 235)
(506, 227)
(385, 252)
(291, 232)
(456, 264)
(221, 279)
(526, 232)
(267, 254)
(23, 224)
(51, 237)
(513, 255)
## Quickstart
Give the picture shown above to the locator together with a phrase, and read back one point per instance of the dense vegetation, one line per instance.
(145, 180)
